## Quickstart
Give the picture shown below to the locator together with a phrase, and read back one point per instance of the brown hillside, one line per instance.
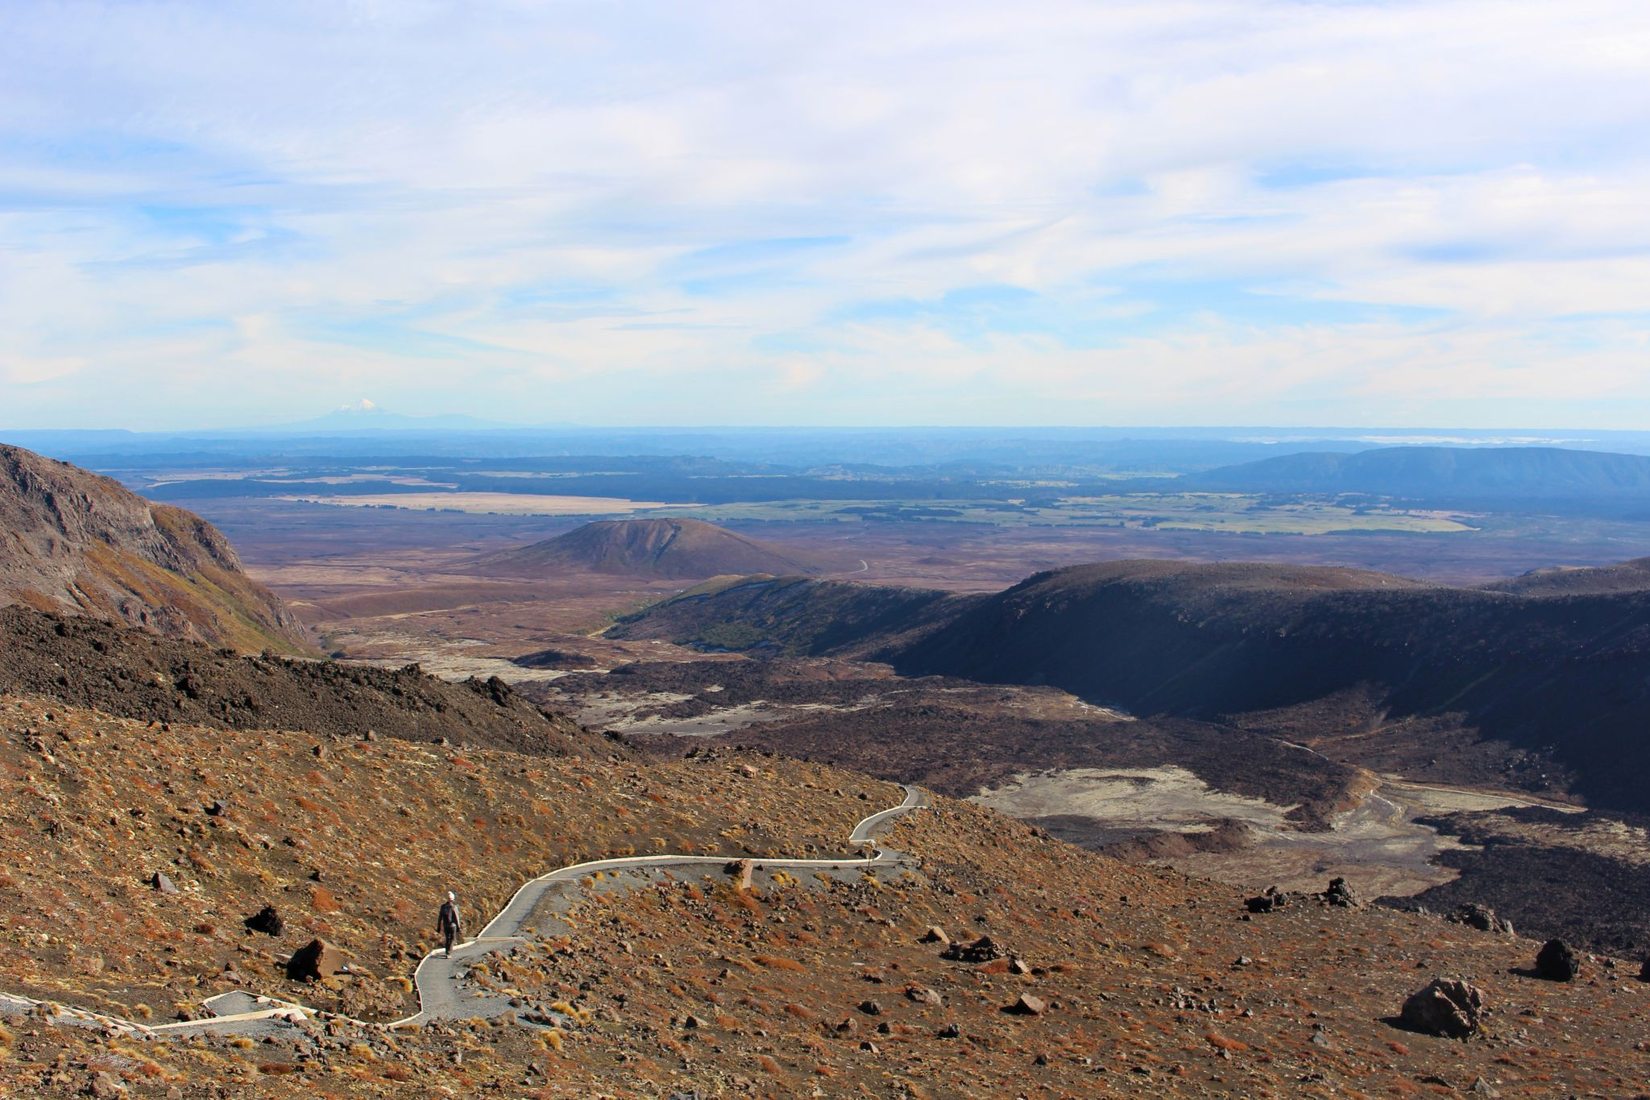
(1562, 674)
(1627, 576)
(355, 841)
(1130, 982)
(74, 541)
(685, 548)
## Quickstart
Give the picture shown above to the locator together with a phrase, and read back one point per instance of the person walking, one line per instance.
(447, 923)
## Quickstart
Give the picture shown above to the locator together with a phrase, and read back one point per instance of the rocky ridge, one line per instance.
(74, 541)
(130, 673)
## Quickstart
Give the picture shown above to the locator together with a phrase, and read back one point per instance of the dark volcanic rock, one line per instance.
(1270, 901)
(317, 959)
(1481, 917)
(1445, 1007)
(981, 950)
(133, 674)
(554, 658)
(1340, 894)
(1556, 962)
(266, 920)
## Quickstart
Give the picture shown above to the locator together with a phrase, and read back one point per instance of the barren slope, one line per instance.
(73, 541)
(1130, 981)
(133, 674)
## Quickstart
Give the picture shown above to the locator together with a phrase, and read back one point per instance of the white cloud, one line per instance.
(463, 205)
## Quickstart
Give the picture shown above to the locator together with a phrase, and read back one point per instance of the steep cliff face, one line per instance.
(74, 541)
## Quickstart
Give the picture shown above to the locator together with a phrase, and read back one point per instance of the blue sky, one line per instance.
(1166, 212)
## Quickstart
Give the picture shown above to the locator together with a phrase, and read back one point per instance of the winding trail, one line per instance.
(439, 979)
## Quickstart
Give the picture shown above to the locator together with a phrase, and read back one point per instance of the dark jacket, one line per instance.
(447, 920)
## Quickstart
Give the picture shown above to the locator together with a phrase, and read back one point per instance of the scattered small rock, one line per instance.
(160, 882)
(949, 1031)
(870, 1008)
(1269, 902)
(936, 934)
(924, 996)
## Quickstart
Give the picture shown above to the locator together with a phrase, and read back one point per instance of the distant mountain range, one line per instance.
(365, 416)
(1549, 475)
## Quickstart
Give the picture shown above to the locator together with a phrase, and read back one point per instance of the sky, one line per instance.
(716, 213)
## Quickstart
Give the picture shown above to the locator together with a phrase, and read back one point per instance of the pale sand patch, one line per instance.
(501, 504)
(1166, 797)
(454, 667)
(1377, 845)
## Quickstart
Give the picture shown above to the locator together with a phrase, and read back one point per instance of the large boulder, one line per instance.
(1445, 1007)
(1557, 962)
(315, 960)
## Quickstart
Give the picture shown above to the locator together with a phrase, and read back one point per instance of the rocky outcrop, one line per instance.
(1446, 1007)
(981, 950)
(1340, 895)
(1481, 917)
(74, 541)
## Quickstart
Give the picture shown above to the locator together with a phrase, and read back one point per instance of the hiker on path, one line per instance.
(447, 923)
